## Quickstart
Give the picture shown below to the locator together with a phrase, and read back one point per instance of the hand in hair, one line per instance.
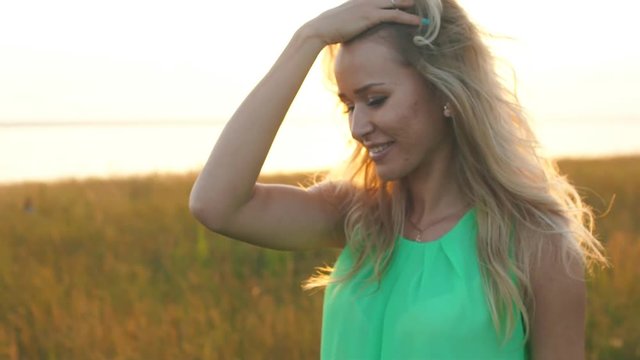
(356, 16)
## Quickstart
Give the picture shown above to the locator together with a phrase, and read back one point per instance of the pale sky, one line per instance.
(79, 60)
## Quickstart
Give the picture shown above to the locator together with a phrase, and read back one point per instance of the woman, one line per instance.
(459, 240)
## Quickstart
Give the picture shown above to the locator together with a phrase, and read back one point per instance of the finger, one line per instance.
(399, 17)
(395, 4)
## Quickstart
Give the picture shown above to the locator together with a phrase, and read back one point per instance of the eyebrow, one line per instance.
(362, 89)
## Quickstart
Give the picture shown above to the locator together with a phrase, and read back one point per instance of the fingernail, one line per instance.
(425, 21)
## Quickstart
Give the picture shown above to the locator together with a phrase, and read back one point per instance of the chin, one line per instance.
(387, 174)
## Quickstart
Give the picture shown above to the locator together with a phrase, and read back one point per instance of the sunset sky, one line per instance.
(196, 60)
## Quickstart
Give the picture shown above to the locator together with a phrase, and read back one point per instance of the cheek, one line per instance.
(415, 107)
(410, 132)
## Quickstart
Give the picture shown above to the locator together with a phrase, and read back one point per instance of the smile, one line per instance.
(377, 152)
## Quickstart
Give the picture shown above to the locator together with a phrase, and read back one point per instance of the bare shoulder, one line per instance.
(560, 300)
(558, 259)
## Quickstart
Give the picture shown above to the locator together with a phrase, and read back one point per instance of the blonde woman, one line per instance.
(458, 240)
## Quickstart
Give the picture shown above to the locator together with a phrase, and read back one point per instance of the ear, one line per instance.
(447, 111)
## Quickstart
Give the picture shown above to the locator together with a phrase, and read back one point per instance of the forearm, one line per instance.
(229, 175)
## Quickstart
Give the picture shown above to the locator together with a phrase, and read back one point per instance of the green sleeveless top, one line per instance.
(430, 305)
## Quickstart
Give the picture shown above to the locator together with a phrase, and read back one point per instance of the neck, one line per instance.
(433, 190)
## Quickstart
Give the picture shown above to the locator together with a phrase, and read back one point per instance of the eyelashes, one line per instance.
(377, 101)
(372, 102)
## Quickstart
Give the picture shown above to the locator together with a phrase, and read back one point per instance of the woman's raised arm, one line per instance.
(226, 197)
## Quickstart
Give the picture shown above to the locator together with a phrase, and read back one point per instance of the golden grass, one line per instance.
(118, 269)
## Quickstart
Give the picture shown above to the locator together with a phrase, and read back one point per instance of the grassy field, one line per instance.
(118, 269)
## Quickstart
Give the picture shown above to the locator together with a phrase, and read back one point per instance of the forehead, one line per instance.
(370, 60)
(366, 54)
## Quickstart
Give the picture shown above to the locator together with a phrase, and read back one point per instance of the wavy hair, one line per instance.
(522, 201)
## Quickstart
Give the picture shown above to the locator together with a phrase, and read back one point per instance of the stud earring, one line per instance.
(447, 111)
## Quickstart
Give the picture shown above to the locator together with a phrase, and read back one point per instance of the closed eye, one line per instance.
(377, 101)
(373, 102)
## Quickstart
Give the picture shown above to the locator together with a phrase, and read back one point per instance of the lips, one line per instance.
(378, 151)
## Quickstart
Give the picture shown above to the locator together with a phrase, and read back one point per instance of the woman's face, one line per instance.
(392, 110)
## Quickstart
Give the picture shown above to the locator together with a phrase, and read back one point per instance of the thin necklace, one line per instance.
(422, 230)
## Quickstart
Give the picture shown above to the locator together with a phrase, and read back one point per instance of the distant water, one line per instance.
(49, 153)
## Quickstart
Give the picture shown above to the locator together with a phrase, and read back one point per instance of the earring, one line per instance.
(447, 111)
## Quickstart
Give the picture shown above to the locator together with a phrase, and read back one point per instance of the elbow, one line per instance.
(198, 203)
(196, 210)
(217, 210)
(205, 216)
(200, 211)
(206, 213)
(195, 206)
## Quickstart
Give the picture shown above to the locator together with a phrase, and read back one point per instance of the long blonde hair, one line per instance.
(518, 194)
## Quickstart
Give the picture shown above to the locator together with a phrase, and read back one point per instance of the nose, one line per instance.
(361, 125)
